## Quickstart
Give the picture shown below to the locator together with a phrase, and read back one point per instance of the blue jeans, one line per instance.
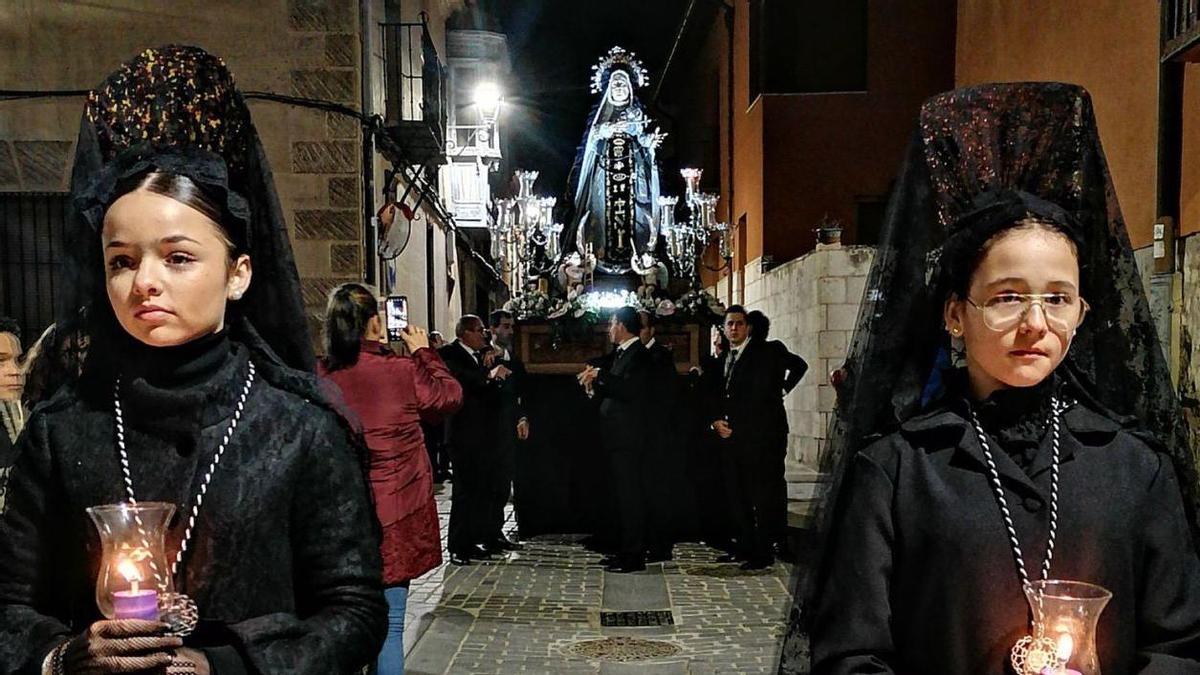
(391, 659)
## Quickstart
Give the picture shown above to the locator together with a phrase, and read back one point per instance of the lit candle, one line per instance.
(1066, 647)
(134, 603)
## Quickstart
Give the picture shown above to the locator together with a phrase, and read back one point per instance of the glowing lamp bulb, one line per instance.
(487, 96)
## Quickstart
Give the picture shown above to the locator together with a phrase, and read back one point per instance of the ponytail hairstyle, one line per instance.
(347, 313)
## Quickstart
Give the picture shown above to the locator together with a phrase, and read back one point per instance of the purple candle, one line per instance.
(136, 604)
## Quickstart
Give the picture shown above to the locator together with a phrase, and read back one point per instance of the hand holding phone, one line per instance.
(415, 338)
(397, 317)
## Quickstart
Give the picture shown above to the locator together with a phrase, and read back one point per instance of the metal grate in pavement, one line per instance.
(637, 619)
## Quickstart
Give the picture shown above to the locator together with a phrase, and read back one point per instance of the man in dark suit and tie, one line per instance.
(512, 428)
(471, 435)
(624, 389)
(749, 418)
(663, 449)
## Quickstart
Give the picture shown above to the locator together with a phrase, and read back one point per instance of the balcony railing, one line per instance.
(1180, 27)
(415, 80)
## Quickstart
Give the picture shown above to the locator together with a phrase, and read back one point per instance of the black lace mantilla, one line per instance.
(1007, 140)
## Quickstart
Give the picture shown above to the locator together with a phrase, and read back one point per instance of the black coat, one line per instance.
(284, 562)
(790, 367)
(920, 578)
(509, 395)
(472, 428)
(624, 391)
(752, 404)
(7, 456)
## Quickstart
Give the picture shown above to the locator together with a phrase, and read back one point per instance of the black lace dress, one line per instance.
(284, 562)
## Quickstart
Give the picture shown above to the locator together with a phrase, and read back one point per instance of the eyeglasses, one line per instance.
(1002, 312)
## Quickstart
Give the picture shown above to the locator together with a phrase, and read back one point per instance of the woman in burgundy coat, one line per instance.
(391, 395)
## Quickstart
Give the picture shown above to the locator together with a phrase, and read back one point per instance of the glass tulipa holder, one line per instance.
(135, 580)
(1065, 614)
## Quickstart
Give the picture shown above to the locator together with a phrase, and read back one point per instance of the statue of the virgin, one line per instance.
(614, 180)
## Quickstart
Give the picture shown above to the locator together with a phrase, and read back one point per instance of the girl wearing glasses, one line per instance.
(1049, 450)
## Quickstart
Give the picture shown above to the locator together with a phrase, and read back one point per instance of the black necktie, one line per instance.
(729, 367)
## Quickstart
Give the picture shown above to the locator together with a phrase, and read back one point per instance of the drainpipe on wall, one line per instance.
(430, 274)
(1167, 249)
(729, 36)
(370, 258)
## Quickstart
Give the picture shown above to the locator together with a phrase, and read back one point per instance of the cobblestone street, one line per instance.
(551, 608)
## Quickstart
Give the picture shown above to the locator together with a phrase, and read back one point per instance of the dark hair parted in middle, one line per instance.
(189, 193)
(347, 313)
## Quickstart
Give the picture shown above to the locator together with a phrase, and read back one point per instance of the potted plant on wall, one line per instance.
(829, 231)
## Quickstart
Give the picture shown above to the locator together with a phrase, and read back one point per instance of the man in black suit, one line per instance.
(662, 461)
(435, 432)
(623, 389)
(471, 431)
(512, 428)
(789, 370)
(749, 418)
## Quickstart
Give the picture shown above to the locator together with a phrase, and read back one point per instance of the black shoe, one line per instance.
(626, 566)
(722, 544)
(660, 555)
(595, 544)
(459, 559)
(480, 552)
(731, 558)
(503, 543)
(756, 564)
(784, 552)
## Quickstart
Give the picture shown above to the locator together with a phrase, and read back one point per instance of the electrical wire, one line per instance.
(370, 123)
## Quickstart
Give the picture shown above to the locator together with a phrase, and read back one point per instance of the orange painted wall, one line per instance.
(1189, 192)
(1108, 46)
(824, 150)
(747, 143)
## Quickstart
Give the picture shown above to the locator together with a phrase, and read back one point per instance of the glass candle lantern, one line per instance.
(1066, 613)
(134, 569)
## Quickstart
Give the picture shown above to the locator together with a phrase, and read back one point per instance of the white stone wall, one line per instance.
(813, 305)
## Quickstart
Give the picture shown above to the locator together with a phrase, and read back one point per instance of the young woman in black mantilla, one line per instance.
(1051, 450)
(196, 380)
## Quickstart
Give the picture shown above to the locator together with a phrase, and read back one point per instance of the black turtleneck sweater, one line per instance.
(284, 561)
(179, 367)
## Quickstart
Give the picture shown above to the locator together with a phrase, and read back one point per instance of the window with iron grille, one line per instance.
(32, 226)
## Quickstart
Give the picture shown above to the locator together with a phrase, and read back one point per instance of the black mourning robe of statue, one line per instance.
(284, 562)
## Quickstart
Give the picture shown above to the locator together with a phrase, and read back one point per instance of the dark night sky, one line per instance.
(553, 45)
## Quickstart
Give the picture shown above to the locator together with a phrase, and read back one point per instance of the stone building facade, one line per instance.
(326, 50)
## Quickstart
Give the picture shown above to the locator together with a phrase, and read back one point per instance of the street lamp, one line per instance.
(487, 99)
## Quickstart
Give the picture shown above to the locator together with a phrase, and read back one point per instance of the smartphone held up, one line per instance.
(397, 316)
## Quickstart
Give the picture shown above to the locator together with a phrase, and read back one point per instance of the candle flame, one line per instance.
(129, 570)
(1066, 647)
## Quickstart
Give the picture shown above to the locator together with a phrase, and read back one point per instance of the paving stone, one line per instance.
(527, 610)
